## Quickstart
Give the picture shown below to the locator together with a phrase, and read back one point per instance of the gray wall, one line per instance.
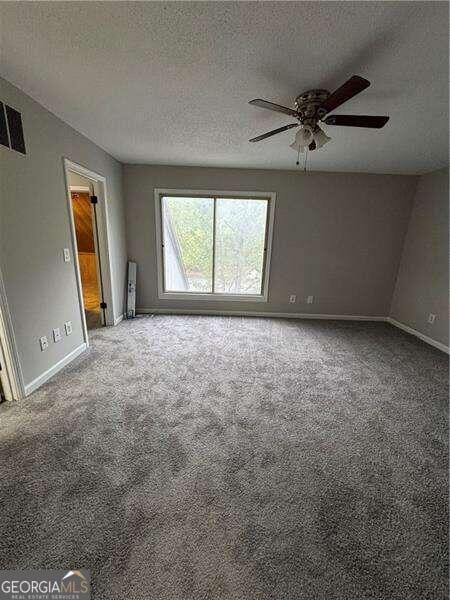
(34, 228)
(337, 237)
(422, 282)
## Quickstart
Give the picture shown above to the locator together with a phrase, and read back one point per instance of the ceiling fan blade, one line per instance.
(350, 88)
(263, 136)
(271, 106)
(357, 121)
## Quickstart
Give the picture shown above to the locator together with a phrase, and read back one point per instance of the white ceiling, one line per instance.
(169, 82)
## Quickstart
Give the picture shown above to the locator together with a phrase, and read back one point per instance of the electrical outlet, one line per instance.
(431, 318)
(43, 341)
(292, 298)
(68, 327)
(309, 299)
(56, 334)
(66, 255)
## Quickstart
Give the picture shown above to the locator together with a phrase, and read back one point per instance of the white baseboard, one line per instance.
(36, 383)
(282, 315)
(247, 313)
(46, 375)
(421, 336)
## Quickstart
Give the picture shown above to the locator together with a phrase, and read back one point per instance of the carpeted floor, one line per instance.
(235, 459)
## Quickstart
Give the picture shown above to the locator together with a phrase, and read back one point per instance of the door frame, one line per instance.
(104, 257)
(12, 377)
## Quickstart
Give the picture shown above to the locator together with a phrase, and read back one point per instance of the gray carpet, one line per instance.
(235, 459)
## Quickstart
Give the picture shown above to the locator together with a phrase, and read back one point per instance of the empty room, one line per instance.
(224, 300)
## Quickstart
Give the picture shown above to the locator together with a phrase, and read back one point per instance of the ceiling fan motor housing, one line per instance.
(308, 106)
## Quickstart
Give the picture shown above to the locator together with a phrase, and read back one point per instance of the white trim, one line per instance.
(118, 320)
(80, 170)
(261, 194)
(245, 313)
(105, 245)
(421, 336)
(216, 297)
(100, 189)
(9, 351)
(67, 166)
(163, 295)
(5, 379)
(33, 385)
(46, 375)
(79, 188)
(283, 315)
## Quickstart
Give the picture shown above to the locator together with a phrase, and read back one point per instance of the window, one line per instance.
(213, 245)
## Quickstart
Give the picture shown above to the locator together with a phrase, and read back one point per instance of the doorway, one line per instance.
(5, 386)
(84, 216)
(11, 379)
(86, 193)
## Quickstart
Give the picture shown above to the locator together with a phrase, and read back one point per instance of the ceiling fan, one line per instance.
(312, 106)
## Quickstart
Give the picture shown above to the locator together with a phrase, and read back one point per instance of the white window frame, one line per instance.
(210, 296)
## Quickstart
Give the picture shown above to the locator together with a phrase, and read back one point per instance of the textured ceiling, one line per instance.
(169, 82)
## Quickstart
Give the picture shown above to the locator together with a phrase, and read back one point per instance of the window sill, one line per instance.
(212, 297)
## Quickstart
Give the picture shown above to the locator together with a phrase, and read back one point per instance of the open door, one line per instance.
(87, 203)
(86, 231)
(5, 388)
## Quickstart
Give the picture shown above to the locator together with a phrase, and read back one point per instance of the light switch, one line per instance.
(68, 327)
(66, 253)
(43, 341)
(56, 334)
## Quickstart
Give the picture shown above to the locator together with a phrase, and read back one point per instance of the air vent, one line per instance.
(4, 139)
(11, 130)
(15, 129)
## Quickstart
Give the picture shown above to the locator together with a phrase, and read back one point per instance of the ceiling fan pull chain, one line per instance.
(298, 157)
(306, 158)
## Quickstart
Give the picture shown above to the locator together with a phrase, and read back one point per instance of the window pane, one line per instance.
(188, 243)
(240, 239)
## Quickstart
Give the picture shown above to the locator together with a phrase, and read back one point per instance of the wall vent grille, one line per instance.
(11, 129)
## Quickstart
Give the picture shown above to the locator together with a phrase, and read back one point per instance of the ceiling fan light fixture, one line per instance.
(313, 106)
(320, 137)
(303, 138)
